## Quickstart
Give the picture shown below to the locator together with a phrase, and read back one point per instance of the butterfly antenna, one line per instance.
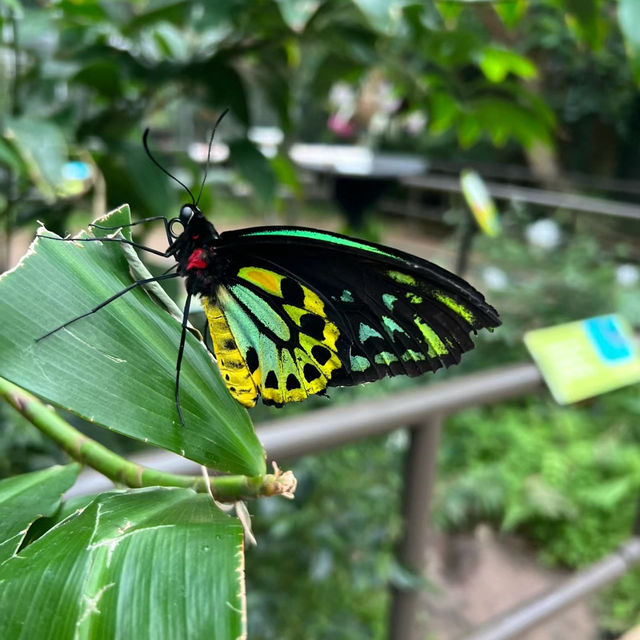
(146, 148)
(206, 167)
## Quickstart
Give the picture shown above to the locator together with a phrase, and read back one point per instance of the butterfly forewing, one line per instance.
(300, 310)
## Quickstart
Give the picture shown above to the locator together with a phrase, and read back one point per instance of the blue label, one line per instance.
(611, 344)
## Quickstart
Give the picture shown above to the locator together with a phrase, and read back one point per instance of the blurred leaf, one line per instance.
(629, 20)
(133, 178)
(225, 87)
(166, 12)
(155, 563)
(450, 10)
(608, 495)
(287, 174)
(218, 12)
(296, 13)
(117, 368)
(276, 83)
(469, 130)
(163, 42)
(102, 75)
(42, 147)
(497, 64)
(545, 500)
(502, 119)
(15, 6)
(587, 20)
(511, 12)
(25, 498)
(254, 168)
(380, 13)
(9, 158)
(85, 12)
(443, 111)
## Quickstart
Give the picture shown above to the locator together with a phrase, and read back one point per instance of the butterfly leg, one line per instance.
(137, 283)
(120, 240)
(164, 219)
(183, 337)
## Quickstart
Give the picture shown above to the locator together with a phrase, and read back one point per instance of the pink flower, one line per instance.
(340, 126)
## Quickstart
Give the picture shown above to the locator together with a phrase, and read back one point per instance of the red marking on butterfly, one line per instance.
(197, 260)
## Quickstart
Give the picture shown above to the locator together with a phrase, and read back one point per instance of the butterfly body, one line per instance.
(292, 311)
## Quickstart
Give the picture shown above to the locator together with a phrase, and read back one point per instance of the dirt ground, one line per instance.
(481, 575)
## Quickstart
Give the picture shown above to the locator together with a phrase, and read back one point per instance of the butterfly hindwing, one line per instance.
(283, 347)
(307, 309)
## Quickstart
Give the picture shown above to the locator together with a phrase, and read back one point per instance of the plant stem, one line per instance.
(120, 470)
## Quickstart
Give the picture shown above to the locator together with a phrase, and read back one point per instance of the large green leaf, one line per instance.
(150, 563)
(117, 367)
(25, 498)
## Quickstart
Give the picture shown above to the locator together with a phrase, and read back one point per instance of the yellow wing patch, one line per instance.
(267, 280)
(231, 363)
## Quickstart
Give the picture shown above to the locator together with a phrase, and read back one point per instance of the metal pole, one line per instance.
(405, 621)
(514, 623)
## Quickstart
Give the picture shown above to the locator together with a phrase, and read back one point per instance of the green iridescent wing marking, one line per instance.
(310, 309)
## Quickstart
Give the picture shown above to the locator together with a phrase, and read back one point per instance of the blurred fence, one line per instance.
(424, 412)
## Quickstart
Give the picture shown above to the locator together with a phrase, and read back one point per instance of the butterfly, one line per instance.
(292, 311)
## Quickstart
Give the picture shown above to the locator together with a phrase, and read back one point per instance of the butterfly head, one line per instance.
(191, 223)
(190, 230)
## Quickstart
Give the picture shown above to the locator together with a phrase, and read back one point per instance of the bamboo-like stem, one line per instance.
(118, 469)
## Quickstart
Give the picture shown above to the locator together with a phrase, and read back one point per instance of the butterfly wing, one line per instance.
(296, 310)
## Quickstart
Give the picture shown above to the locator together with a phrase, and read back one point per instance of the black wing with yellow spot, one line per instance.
(297, 310)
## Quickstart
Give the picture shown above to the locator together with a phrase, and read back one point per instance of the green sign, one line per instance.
(480, 202)
(582, 359)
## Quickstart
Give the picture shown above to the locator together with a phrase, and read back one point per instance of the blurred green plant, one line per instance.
(84, 77)
(332, 549)
(565, 478)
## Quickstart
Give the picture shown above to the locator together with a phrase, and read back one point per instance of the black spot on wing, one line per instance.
(292, 292)
(313, 326)
(292, 382)
(310, 372)
(271, 381)
(252, 359)
(320, 354)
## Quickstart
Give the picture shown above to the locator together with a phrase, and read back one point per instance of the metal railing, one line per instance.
(530, 195)
(424, 411)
